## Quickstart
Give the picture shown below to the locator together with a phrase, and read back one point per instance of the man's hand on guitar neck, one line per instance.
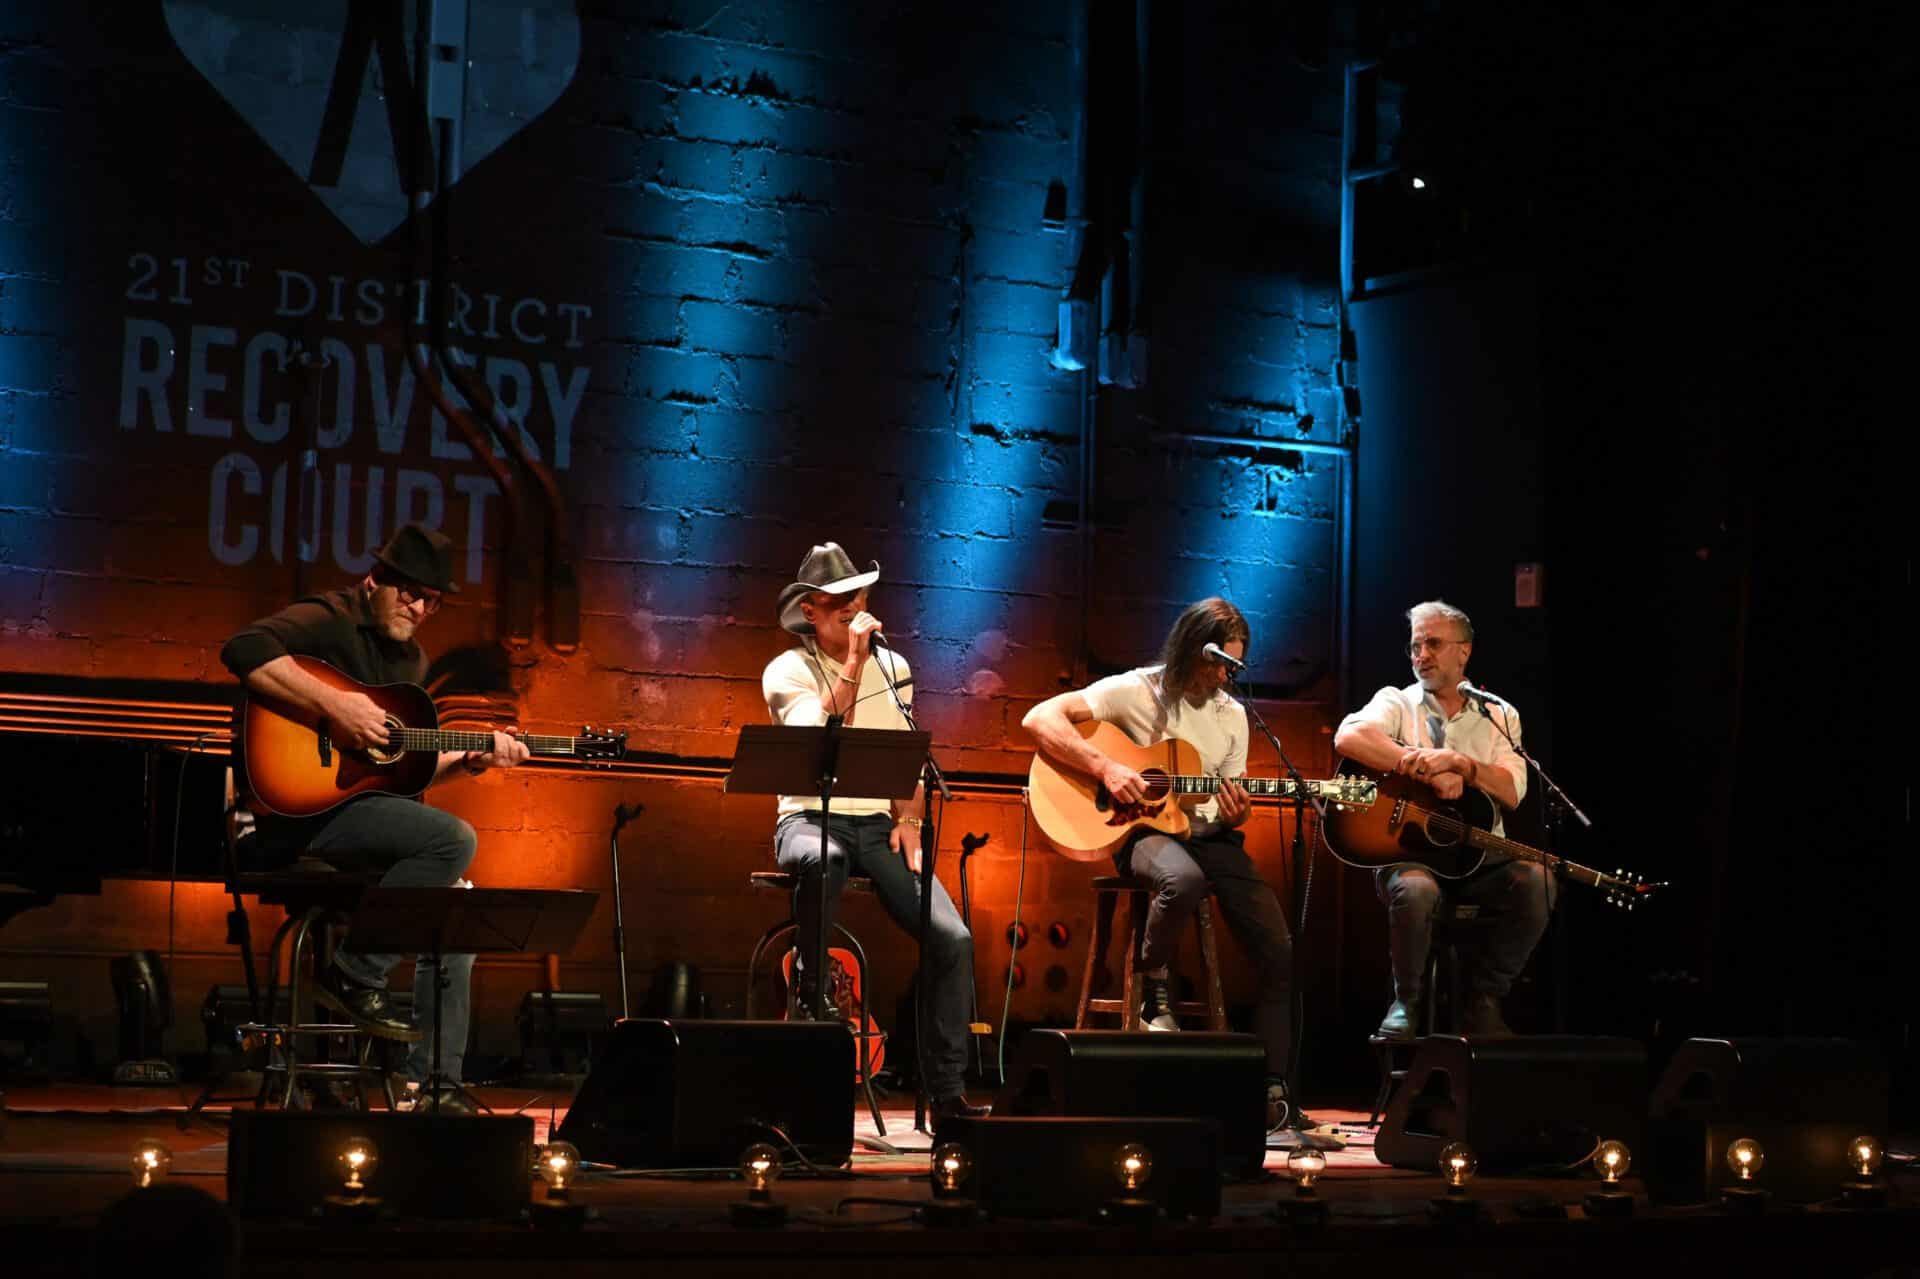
(1234, 803)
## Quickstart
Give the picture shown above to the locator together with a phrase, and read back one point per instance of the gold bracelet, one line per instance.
(847, 679)
(910, 821)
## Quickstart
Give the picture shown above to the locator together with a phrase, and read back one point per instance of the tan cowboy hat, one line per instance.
(829, 570)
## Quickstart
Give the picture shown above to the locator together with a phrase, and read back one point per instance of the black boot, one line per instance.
(365, 1006)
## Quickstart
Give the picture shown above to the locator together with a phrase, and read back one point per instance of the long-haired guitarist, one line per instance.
(1429, 731)
(1184, 696)
(367, 631)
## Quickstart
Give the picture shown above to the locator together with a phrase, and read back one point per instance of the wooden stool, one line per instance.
(1452, 924)
(768, 881)
(1106, 894)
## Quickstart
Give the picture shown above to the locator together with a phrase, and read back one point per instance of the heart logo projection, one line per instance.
(329, 85)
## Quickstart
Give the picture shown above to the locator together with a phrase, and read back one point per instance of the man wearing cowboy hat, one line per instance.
(367, 632)
(842, 667)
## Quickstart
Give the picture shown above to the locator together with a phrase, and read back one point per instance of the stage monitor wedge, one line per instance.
(1201, 1075)
(694, 1094)
(1521, 1101)
(1802, 1099)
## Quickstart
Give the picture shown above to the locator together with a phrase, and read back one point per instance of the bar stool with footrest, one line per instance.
(869, 1039)
(1454, 923)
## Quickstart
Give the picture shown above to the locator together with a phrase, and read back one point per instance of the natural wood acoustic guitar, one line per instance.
(1086, 824)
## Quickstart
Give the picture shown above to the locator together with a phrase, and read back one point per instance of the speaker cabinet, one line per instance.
(694, 1094)
(1051, 1167)
(283, 1163)
(1519, 1102)
(1801, 1099)
(1104, 1072)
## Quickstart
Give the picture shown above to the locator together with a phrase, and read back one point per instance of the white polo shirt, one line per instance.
(1411, 717)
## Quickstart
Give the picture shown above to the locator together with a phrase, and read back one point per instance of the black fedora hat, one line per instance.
(829, 570)
(421, 554)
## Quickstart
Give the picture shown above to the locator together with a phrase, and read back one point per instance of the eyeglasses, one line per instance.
(409, 593)
(841, 600)
(1430, 644)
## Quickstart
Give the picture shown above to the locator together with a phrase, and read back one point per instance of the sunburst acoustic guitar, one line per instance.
(1410, 823)
(1085, 824)
(296, 769)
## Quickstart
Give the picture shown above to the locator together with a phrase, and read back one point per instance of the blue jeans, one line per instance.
(1181, 873)
(418, 847)
(1523, 893)
(946, 958)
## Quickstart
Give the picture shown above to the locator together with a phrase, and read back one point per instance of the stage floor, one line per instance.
(64, 1154)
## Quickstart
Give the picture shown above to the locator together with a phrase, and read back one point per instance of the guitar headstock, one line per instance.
(598, 747)
(1350, 792)
(1627, 890)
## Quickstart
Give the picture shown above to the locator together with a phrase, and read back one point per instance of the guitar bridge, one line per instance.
(326, 750)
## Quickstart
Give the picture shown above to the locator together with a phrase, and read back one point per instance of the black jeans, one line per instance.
(860, 844)
(1181, 873)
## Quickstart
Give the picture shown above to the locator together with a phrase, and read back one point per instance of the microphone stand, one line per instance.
(930, 772)
(621, 816)
(1553, 802)
(1296, 1003)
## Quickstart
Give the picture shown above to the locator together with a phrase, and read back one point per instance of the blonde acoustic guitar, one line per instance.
(1086, 824)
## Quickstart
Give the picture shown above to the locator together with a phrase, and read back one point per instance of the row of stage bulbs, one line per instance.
(951, 1166)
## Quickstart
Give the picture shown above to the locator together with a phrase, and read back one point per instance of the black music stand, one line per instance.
(438, 921)
(789, 759)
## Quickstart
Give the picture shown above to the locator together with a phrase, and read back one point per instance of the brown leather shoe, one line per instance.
(365, 1006)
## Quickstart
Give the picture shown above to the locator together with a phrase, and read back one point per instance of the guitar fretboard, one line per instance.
(437, 739)
(1184, 784)
(1495, 844)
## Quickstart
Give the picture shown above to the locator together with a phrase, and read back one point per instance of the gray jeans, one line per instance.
(1181, 873)
(860, 844)
(1522, 892)
(418, 847)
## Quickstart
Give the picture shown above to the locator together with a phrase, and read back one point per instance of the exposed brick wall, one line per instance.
(822, 307)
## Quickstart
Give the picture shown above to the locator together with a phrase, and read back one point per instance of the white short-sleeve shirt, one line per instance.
(1135, 703)
(794, 685)
(1411, 717)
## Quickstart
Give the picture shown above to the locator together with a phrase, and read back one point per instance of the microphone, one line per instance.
(1219, 654)
(1466, 689)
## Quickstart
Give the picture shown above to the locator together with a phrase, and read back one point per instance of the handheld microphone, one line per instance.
(1221, 655)
(1466, 689)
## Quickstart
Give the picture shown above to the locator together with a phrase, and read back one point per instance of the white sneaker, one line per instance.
(1156, 1006)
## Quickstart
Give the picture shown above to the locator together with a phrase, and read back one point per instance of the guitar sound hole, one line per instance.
(387, 754)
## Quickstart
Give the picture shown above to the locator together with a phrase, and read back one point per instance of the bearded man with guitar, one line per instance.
(1432, 733)
(1184, 697)
(366, 634)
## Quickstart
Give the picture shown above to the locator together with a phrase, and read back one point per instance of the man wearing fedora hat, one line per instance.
(367, 631)
(843, 667)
